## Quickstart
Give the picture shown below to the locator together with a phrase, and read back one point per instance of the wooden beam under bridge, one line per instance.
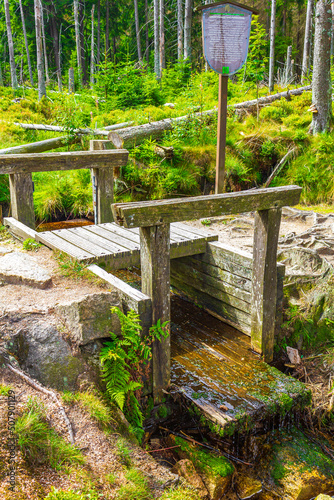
(154, 217)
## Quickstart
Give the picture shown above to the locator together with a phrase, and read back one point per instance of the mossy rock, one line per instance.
(299, 467)
(216, 471)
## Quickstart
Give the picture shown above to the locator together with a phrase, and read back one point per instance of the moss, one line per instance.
(205, 462)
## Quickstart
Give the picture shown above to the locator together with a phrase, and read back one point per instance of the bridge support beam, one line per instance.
(21, 198)
(264, 281)
(155, 276)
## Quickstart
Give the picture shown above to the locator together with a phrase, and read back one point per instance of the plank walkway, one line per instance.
(118, 247)
(215, 369)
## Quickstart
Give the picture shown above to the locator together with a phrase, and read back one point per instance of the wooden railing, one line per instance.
(154, 218)
(102, 162)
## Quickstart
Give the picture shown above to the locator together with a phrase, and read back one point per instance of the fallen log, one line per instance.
(41, 146)
(82, 131)
(279, 167)
(131, 136)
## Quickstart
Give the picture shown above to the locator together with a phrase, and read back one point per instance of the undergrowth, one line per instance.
(93, 404)
(39, 443)
(125, 361)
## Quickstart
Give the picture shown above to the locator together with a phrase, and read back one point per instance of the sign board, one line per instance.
(226, 31)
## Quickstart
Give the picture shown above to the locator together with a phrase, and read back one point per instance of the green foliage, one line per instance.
(4, 389)
(257, 60)
(56, 494)
(72, 268)
(180, 493)
(93, 404)
(123, 452)
(136, 487)
(124, 361)
(39, 442)
(31, 245)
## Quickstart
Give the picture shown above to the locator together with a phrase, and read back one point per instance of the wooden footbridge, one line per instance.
(221, 368)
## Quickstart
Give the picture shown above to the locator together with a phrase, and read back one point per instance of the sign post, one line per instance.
(226, 30)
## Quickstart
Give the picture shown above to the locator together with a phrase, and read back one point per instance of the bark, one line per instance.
(156, 40)
(46, 65)
(107, 29)
(56, 44)
(26, 44)
(288, 69)
(40, 146)
(92, 52)
(82, 41)
(147, 44)
(179, 30)
(187, 28)
(162, 35)
(71, 88)
(135, 2)
(98, 37)
(1, 78)
(307, 40)
(272, 45)
(39, 50)
(10, 47)
(77, 37)
(321, 80)
(332, 38)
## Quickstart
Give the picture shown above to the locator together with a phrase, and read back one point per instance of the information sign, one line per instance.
(226, 30)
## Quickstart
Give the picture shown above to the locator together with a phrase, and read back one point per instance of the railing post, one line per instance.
(21, 198)
(264, 281)
(155, 272)
(103, 186)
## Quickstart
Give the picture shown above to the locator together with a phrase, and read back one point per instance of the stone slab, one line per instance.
(21, 269)
(89, 318)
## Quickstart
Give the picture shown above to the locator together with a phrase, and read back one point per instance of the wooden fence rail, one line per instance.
(154, 218)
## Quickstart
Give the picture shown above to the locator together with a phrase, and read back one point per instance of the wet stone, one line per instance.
(186, 469)
(248, 487)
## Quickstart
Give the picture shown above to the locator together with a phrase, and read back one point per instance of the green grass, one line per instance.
(4, 389)
(71, 268)
(39, 443)
(56, 494)
(180, 493)
(136, 488)
(31, 245)
(93, 404)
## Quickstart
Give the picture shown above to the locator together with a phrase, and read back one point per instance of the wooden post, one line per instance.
(21, 198)
(221, 133)
(103, 186)
(264, 281)
(155, 272)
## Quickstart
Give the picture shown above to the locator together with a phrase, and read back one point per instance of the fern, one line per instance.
(123, 361)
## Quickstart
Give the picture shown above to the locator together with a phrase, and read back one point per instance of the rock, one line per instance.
(186, 469)
(300, 468)
(44, 354)
(248, 487)
(216, 472)
(4, 250)
(90, 318)
(19, 268)
(323, 497)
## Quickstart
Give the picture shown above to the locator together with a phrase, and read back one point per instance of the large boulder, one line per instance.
(185, 468)
(21, 269)
(89, 318)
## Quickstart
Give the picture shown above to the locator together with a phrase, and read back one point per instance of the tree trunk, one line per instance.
(77, 37)
(98, 31)
(307, 40)
(188, 11)
(41, 146)
(272, 45)
(46, 65)
(332, 39)
(92, 52)
(288, 69)
(56, 44)
(82, 41)
(137, 30)
(179, 30)
(157, 68)
(162, 35)
(10, 47)
(39, 50)
(26, 44)
(147, 44)
(1, 78)
(107, 29)
(321, 81)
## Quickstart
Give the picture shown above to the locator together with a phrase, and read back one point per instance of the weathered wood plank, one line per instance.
(190, 231)
(81, 242)
(238, 320)
(155, 272)
(54, 242)
(18, 229)
(220, 290)
(45, 162)
(230, 262)
(111, 235)
(94, 238)
(22, 199)
(264, 281)
(151, 213)
(104, 179)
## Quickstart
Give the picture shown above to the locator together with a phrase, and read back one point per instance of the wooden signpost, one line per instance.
(226, 30)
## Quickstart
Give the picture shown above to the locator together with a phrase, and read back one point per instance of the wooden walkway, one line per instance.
(119, 247)
(215, 369)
